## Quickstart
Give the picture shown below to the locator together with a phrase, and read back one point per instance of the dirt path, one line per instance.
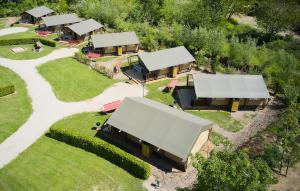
(251, 21)
(289, 183)
(258, 123)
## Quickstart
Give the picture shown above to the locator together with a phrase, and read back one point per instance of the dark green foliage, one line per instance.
(6, 90)
(27, 41)
(228, 171)
(277, 15)
(130, 163)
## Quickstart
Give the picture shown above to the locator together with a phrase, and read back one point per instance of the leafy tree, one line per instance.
(277, 15)
(230, 171)
(106, 11)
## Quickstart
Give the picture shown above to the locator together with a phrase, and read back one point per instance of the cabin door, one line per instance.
(235, 104)
(120, 50)
(146, 150)
(174, 71)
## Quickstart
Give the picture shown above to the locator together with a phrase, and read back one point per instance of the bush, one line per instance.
(133, 165)
(103, 70)
(81, 58)
(6, 90)
(27, 41)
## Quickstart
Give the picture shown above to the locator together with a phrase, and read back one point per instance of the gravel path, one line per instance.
(12, 30)
(47, 109)
(258, 123)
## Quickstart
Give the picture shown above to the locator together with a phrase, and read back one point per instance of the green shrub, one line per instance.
(27, 41)
(103, 70)
(130, 163)
(81, 58)
(6, 90)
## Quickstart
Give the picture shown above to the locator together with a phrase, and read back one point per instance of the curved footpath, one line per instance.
(47, 109)
(12, 30)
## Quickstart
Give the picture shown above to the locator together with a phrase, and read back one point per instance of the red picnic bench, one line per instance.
(93, 55)
(171, 85)
(42, 33)
(111, 106)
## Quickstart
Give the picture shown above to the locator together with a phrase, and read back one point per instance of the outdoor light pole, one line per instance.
(143, 84)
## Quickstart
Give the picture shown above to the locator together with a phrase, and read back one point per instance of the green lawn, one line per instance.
(2, 23)
(14, 108)
(83, 123)
(27, 34)
(27, 54)
(106, 58)
(73, 81)
(221, 118)
(155, 92)
(52, 165)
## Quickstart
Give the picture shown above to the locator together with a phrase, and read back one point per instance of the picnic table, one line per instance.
(93, 55)
(111, 106)
(42, 33)
(171, 85)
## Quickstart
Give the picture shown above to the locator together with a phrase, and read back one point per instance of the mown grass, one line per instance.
(83, 123)
(15, 108)
(5, 51)
(221, 118)
(53, 165)
(106, 58)
(73, 81)
(2, 23)
(155, 92)
(27, 34)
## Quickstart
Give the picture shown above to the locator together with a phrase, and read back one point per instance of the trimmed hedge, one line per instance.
(6, 90)
(128, 162)
(81, 58)
(27, 41)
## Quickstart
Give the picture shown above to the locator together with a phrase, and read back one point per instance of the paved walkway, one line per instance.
(12, 30)
(47, 109)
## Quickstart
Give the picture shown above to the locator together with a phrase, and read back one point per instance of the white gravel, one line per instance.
(47, 109)
(12, 30)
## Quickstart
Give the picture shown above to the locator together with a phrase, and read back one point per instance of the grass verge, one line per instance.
(73, 81)
(5, 52)
(15, 108)
(221, 118)
(53, 165)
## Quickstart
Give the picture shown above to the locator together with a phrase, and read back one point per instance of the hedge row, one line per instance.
(6, 90)
(27, 41)
(128, 162)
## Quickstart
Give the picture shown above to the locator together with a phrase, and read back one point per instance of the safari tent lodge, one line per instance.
(158, 129)
(34, 15)
(163, 63)
(82, 30)
(224, 91)
(57, 23)
(115, 43)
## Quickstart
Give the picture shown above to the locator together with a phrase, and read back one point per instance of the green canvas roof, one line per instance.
(166, 58)
(230, 86)
(61, 19)
(167, 128)
(85, 27)
(39, 11)
(114, 39)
